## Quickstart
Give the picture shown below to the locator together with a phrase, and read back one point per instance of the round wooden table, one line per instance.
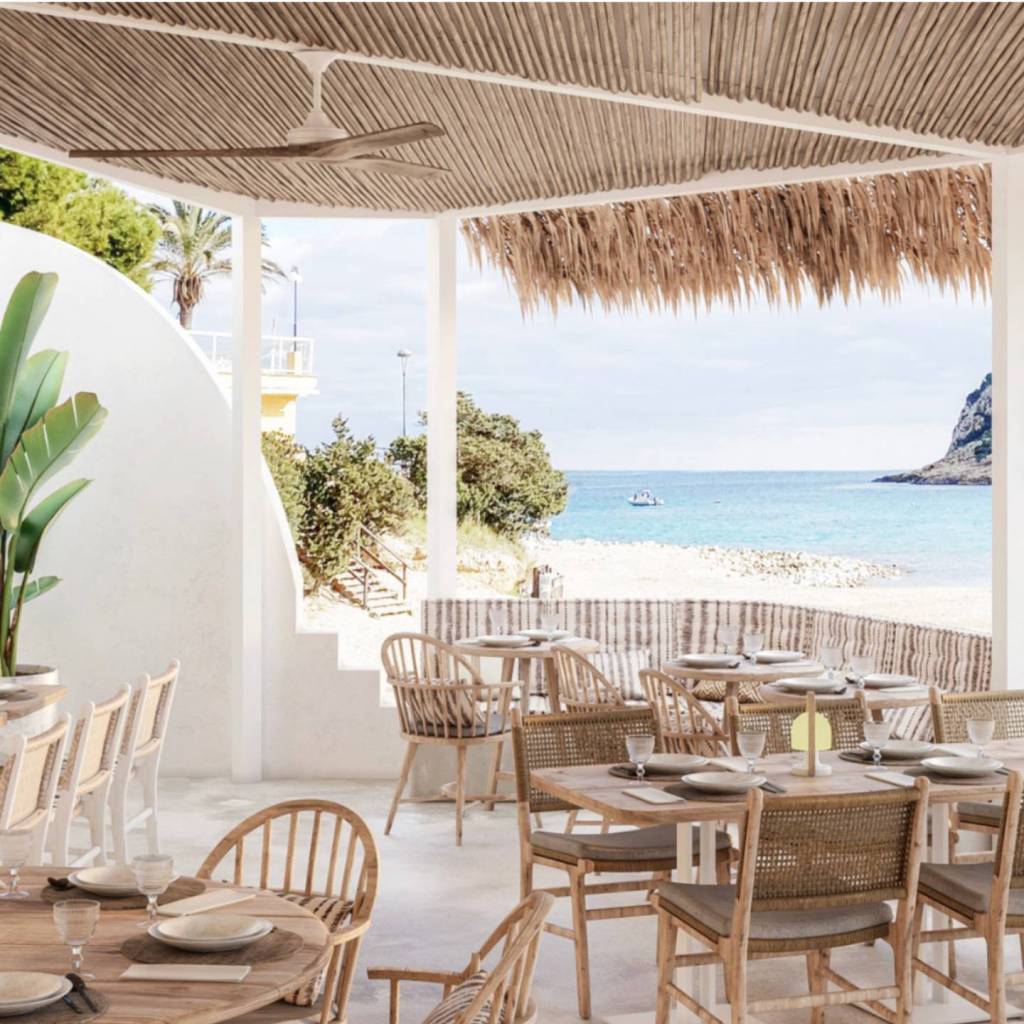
(745, 672)
(28, 942)
(538, 651)
(894, 697)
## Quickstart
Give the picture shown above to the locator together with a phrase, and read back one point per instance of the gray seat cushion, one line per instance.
(985, 814)
(497, 725)
(710, 908)
(966, 885)
(642, 844)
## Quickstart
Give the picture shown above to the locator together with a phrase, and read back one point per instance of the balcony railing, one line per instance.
(278, 353)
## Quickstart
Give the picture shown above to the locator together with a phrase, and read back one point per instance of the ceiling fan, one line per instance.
(317, 140)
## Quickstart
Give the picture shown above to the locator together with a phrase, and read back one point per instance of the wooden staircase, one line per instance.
(376, 578)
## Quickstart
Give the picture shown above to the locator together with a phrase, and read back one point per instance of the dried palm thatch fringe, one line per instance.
(830, 239)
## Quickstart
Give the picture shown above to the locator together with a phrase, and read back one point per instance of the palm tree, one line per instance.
(193, 249)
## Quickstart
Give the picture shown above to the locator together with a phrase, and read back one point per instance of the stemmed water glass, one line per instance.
(751, 746)
(153, 873)
(76, 921)
(15, 845)
(832, 659)
(861, 665)
(752, 643)
(980, 731)
(640, 748)
(496, 620)
(876, 736)
(549, 619)
(727, 637)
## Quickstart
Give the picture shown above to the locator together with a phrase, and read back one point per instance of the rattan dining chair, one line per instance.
(816, 873)
(28, 783)
(326, 863)
(581, 686)
(987, 899)
(443, 701)
(86, 778)
(576, 739)
(950, 715)
(845, 717)
(480, 993)
(687, 727)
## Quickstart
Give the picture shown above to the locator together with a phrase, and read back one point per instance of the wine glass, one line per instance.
(496, 620)
(640, 748)
(752, 643)
(727, 637)
(549, 619)
(153, 873)
(76, 921)
(751, 746)
(980, 731)
(15, 845)
(876, 736)
(832, 658)
(861, 665)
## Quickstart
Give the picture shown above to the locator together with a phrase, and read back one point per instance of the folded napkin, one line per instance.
(892, 778)
(653, 795)
(187, 972)
(212, 900)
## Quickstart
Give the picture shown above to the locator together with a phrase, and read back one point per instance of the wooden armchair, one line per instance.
(581, 686)
(504, 992)
(687, 727)
(845, 717)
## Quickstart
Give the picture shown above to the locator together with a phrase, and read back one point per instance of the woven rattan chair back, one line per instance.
(837, 850)
(438, 692)
(845, 717)
(581, 687)
(686, 727)
(303, 848)
(31, 772)
(95, 740)
(572, 740)
(149, 711)
(952, 711)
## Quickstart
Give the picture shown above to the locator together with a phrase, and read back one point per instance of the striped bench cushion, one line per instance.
(623, 669)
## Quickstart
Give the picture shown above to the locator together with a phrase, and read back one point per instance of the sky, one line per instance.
(865, 386)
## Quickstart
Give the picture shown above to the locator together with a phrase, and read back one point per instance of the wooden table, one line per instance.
(29, 942)
(745, 672)
(594, 789)
(877, 700)
(45, 696)
(511, 656)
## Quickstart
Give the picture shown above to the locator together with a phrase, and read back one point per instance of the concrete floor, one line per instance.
(436, 903)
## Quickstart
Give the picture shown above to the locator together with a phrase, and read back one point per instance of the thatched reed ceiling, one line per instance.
(833, 239)
(949, 69)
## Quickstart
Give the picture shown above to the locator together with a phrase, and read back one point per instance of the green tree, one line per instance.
(505, 477)
(194, 247)
(285, 457)
(345, 484)
(86, 212)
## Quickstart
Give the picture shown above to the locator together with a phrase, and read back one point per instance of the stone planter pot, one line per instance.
(32, 675)
(39, 721)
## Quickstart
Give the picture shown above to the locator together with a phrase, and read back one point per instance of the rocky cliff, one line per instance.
(969, 457)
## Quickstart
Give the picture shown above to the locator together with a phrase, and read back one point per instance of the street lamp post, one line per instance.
(404, 355)
(296, 279)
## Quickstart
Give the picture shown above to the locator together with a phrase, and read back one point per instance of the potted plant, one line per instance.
(39, 435)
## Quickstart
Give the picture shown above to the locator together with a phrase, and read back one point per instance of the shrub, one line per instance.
(284, 459)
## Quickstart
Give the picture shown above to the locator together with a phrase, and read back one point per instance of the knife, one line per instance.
(74, 1006)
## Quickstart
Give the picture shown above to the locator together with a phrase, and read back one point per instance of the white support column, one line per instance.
(1007, 421)
(247, 554)
(442, 436)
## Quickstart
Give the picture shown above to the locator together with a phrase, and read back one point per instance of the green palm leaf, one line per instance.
(39, 520)
(37, 391)
(44, 449)
(36, 588)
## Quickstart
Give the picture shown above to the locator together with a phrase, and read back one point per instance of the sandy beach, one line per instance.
(648, 570)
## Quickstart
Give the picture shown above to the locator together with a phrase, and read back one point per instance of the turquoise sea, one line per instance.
(940, 535)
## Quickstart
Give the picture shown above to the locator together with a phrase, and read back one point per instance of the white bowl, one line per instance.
(699, 660)
(503, 640)
(210, 933)
(961, 767)
(771, 657)
(676, 762)
(544, 635)
(25, 991)
(897, 750)
(816, 684)
(110, 880)
(889, 681)
(724, 782)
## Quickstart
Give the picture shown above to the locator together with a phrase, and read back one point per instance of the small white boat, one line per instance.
(645, 499)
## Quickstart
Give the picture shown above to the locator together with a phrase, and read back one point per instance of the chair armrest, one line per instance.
(353, 931)
(407, 974)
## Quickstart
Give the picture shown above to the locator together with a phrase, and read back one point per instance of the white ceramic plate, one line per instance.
(211, 932)
(724, 782)
(676, 762)
(543, 634)
(889, 681)
(770, 657)
(25, 991)
(814, 684)
(111, 880)
(960, 767)
(698, 660)
(503, 640)
(899, 749)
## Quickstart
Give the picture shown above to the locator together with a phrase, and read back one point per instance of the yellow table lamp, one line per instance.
(811, 732)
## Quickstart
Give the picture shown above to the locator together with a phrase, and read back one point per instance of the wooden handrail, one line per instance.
(371, 553)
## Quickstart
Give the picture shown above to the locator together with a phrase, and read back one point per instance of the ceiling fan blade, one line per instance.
(385, 165)
(264, 152)
(357, 145)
